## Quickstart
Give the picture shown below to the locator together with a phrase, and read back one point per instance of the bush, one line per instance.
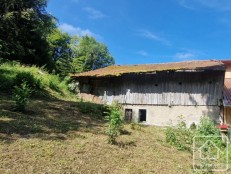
(182, 137)
(207, 128)
(115, 123)
(30, 80)
(21, 95)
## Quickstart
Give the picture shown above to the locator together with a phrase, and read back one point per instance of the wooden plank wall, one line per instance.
(227, 115)
(162, 88)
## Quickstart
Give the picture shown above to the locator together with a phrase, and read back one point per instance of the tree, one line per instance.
(90, 55)
(24, 27)
(61, 51)
(59, 44)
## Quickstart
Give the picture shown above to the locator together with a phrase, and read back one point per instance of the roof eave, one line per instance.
(145, 72)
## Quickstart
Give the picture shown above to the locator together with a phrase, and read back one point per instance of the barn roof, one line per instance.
(117, 70)
(227, 92)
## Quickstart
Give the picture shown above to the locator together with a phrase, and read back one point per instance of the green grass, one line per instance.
(11, 73)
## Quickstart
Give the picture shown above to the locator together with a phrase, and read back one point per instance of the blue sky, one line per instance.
(151, 31)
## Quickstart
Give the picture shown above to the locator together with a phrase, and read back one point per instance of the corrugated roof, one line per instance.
(117, 70)
(227, 92)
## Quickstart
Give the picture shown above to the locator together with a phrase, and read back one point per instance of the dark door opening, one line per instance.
(128, 115)
(142, 115)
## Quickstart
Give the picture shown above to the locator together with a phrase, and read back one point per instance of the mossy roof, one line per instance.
(117, 70)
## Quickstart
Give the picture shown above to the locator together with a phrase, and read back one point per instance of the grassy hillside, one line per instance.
(53, 136)
(44, 83)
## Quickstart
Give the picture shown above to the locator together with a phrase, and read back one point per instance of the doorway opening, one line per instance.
(142, 115)
(128, 115)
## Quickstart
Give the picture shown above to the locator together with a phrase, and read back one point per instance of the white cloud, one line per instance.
(75, 30)
(153, 36)
(142, 53)
(184, 56)
(220, 5)
(93, 13)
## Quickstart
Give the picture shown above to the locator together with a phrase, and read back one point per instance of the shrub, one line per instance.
(21, 95)
(115, 123)
(181, 137)
(54, 85)
(207, 127)
(6, 83)
(30, 80)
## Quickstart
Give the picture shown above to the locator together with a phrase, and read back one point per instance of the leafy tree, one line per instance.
(59, 44)
(61, 51)
(72, 54)
(24, 26)
(91, 55)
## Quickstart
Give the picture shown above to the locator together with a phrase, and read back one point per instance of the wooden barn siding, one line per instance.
(141, 89)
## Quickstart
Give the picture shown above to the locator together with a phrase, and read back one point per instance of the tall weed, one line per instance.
(182, 137)
(115, 123)
(21, 94)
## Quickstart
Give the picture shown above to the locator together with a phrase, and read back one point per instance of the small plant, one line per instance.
(170, 136)
(115, 123)
(21, 95)
(193, 126)
(132, 125)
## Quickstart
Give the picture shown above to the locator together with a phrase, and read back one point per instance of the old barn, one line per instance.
(157, 94)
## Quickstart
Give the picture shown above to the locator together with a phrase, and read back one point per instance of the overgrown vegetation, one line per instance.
(115, 122)
(199, 140)
(21, 94)
(182, 137)
(37, 79)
